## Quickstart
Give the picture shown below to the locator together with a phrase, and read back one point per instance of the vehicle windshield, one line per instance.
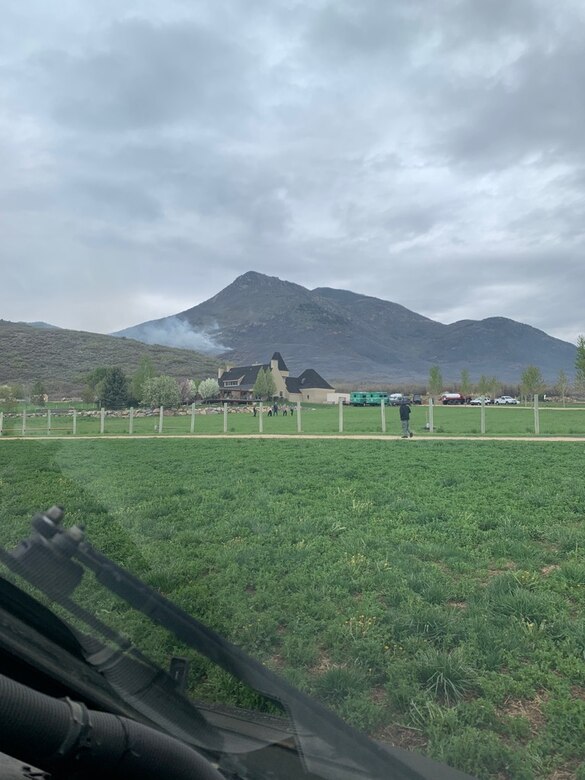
(291, 330)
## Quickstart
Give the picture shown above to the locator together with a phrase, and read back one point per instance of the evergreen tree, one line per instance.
(113, 390)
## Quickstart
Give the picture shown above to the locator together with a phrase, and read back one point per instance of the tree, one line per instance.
(435, 381)
(531, 382)
(188, 390)
(264, 386)
(37, 393)
(562, 385)
(113, 390)
(90, 392)
(145, 371)
(8, 398)
(494, 386)
(580, 366)
(465, 385)
(208, 388)
(161, 391)
(483, 386)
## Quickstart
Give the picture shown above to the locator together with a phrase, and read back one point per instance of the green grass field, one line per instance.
(430, 592)
(448, 420)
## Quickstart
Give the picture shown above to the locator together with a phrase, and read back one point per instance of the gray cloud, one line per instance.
(429, 153)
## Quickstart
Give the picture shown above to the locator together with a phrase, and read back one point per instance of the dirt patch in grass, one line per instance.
(457, 604)
(276, 662)
(565, 772)
(506, 567)
(325, 664)
(402, 737)
(546, 570)
(378, 695)
(530, 709)
(578, 692)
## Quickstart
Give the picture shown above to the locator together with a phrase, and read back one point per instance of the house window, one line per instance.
(231, 383)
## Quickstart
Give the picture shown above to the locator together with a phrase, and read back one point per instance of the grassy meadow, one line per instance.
(323, 420)
(432, 593)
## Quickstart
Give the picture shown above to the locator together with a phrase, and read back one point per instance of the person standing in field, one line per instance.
(405, 419)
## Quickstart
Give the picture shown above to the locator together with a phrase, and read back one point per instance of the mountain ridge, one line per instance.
(348, 336)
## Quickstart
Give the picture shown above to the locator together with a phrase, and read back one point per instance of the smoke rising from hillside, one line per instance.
(174, 332)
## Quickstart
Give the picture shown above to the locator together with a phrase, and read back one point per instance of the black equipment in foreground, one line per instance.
(78, 700)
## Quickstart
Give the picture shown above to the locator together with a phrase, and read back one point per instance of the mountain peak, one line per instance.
(358, 337)
(255, 278)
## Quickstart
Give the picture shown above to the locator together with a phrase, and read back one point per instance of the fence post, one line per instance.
(431, 410)
(48, 422)
(75, 422)
(260, 413)
(131, 422)
(193, 417)
(383, 413)
(536, 415)
(299, 427)
(341, 415)
(1, 422)
(161, 412)
(225, 417)
(23, 422)
(102, 419)
(483, 414)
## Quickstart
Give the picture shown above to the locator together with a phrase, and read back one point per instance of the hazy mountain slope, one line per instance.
(59, 357)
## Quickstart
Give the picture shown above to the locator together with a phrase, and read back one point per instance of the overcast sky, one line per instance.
(428, 152)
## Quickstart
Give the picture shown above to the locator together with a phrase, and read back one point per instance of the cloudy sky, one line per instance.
(429, 152)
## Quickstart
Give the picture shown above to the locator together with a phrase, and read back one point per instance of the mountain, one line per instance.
(59, 357)
(347, 336)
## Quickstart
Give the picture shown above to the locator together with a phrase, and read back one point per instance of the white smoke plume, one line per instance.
(174, 332)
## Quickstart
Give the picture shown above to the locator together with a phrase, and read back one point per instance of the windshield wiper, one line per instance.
(55, 559)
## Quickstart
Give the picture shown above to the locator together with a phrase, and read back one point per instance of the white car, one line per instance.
(505, 399)
(477, 401)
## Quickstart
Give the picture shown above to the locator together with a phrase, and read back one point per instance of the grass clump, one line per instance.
(446, 676)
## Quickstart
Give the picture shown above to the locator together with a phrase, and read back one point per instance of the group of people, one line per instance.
(404, 410)
(274, 409)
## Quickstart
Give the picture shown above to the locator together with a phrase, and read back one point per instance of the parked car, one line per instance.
(417, 399)
(452, 398)
(505, 399)
(482, 398)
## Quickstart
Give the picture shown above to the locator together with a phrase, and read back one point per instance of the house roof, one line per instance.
(292, 384)
(310, 378)
(281, 364)
(246, 375)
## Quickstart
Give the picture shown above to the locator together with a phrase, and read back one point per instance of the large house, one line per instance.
(237, 383)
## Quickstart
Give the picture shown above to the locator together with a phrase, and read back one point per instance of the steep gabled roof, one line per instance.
(293, 384)
(248, 375)
(281, 364)
(311, 379)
